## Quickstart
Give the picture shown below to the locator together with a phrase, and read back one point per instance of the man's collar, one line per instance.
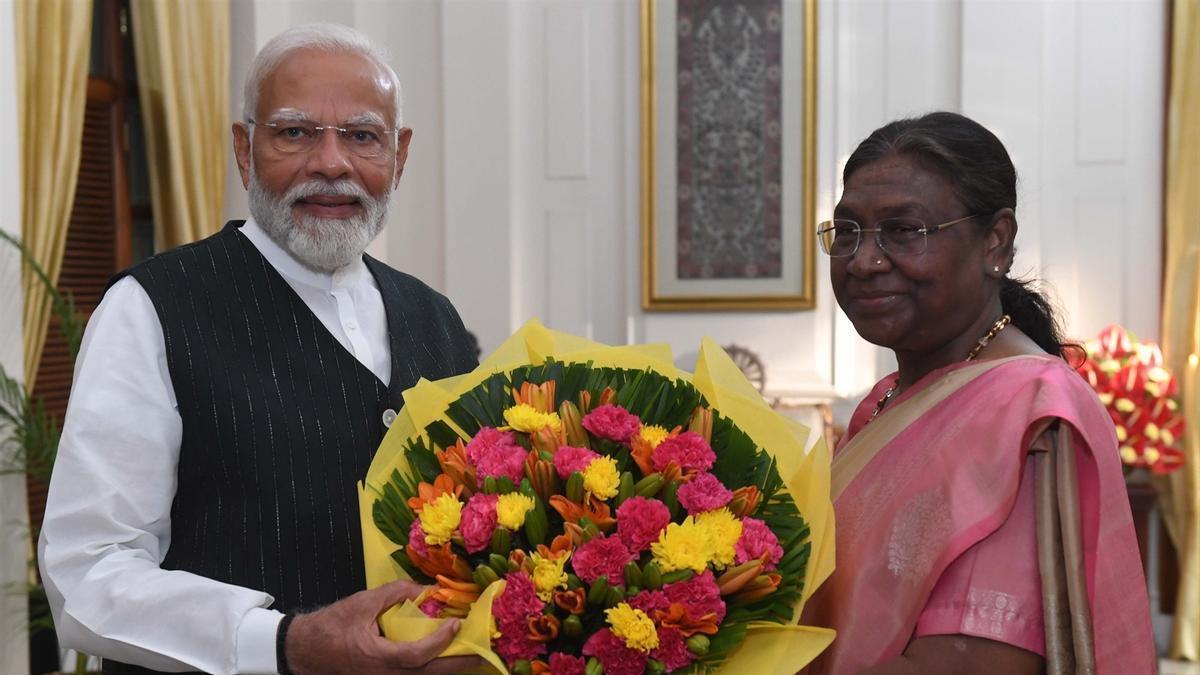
(291, 268)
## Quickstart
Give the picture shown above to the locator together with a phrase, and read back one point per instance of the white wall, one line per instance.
(521, 194)
(14, 517)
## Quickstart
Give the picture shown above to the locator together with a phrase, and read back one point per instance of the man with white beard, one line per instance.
(203, 513)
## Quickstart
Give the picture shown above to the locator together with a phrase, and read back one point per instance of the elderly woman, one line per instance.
(942, 563)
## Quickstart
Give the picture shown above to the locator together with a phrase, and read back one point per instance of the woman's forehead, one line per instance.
(897, 183)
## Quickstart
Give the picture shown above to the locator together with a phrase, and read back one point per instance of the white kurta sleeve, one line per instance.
(108, 515)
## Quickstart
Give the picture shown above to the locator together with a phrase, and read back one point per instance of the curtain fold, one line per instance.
(182, 55)
(1181, 316)
(53, 51)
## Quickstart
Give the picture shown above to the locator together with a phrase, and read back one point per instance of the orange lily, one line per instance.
(678, 616)
(456, 594)
(427, 493)
(548, 440)
(518, 560)
(745, 501)
(539, 396)
(560, 545)
(759, 587)
(701, 422)
(541, 475)
(441, 561)
(573, 601)
(543, 627)
(540, 667)
(572, 421)
(593, 509)
(736, 578)
(454, 463)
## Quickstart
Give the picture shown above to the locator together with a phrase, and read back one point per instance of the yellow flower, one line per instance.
(653, 435)
(724, 530)
(1128, 454)
(633, 626)
(601, 477)
(1151, 431)
(439, 519)
(524, 417)
(548, 574)
(682, 547)
(511, 509)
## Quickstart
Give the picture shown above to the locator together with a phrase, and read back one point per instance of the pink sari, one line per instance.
(938, 472)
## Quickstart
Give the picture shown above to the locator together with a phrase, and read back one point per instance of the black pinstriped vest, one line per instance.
(279, 420)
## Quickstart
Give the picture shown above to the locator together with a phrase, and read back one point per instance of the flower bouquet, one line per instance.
(1140, 396)
(592, 509)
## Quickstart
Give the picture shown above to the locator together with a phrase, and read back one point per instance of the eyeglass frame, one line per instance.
(925, 230)
(320, 129)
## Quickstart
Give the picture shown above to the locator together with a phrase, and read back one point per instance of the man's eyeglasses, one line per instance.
(364, 140)
(895, 236)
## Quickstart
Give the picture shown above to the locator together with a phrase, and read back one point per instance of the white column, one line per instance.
(14, 516)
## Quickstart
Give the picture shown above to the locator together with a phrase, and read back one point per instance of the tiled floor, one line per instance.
(1166, 667)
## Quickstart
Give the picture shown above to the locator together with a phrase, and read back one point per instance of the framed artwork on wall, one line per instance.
(728, 154)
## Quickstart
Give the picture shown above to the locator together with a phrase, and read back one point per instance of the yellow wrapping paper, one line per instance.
(802, 457)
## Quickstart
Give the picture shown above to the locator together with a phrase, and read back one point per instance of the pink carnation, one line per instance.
(512, 610)
(640, 520)
(513, 646)
(565, 664)
(689, 450)
(601, 557)
(616, 658)
(672, 649)
(699, 595)
(650, 602)
(432, 608)
(478, 521)
(612, 422)
(416, 539)
(570, 459)
(517, 603)
(487, 440)
(757, 539)
(506, 461)
(703, 493)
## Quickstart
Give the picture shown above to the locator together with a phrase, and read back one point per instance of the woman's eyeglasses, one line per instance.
(840, 238)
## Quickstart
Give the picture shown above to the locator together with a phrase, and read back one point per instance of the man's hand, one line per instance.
(344, 638)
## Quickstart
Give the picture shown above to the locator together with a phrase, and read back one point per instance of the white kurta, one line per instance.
(108, 515)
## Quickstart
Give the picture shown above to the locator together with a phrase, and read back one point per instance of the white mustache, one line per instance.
(317, 187)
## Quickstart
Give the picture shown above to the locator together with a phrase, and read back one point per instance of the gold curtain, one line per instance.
(183, 76)
(1181, 315)
(54, 39)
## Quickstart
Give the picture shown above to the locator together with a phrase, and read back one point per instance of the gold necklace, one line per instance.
(1000, 325)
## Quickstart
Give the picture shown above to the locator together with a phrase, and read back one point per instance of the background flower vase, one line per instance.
(1141, 397)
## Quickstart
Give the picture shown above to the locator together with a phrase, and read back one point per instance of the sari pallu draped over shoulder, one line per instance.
(937, 472)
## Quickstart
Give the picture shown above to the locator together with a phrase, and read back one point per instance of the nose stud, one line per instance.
(996, 268)
(879, 261)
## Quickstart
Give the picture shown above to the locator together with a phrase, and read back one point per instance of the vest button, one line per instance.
(389, 416)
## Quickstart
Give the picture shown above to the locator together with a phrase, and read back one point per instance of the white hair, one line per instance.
(330, 38)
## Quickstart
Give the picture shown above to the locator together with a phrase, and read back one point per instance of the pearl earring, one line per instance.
(996, 268)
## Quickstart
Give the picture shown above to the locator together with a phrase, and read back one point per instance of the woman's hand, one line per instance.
(960, 655)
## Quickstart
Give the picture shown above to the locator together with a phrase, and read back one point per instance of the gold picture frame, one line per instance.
(802, 292)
